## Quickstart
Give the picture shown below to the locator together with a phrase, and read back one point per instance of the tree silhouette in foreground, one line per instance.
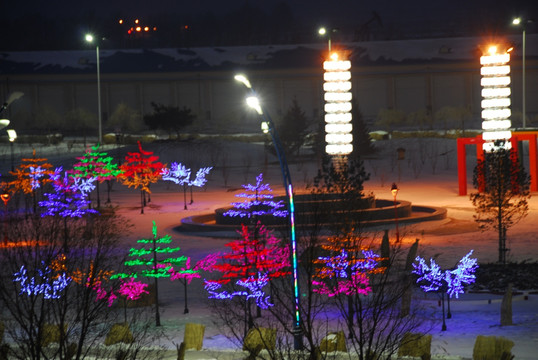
(503, 190)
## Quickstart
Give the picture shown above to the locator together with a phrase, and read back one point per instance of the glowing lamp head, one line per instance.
(516, 21)
(243, 79)
(12, 134)
(89, 38)
(492, 50)
(254, 103)
(4, 123)
(5, 197)
(265, 127)
(394, 190)
(322, 31)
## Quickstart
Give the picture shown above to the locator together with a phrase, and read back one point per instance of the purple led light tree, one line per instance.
(433, 279)
(254, 290)
(70, 196)
(258, 200)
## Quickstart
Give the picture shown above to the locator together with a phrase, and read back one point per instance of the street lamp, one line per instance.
(518, 21)
(12, 134)
(89, 38)
(14, 96)
(322, 31)
(268, 126)
(394, 190)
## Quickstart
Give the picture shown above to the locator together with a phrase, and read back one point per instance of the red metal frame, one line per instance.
(529, 136)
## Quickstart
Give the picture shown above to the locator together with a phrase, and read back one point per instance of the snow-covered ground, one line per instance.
(435, 183)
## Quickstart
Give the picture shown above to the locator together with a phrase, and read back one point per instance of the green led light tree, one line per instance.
(96, 164)
(144, 262)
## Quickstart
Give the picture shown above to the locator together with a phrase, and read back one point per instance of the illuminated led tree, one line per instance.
(139, 171)
(68, 200)
(433, 279)
(70, 196)
(145, 262)
(45, 282)
(258, 201)
(180, 175)
(346, 270)
(184, 275)
(251, 260)
(253, 290)
(31, 175)
(98, 165)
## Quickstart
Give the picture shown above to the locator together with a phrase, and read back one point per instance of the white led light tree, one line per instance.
(496, 112)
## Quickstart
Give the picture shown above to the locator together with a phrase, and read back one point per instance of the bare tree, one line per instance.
(48, 292)
(503, 190)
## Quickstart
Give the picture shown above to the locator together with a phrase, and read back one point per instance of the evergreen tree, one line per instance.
(292, 129)
(503, 190)
(344, 185)
(362, 142)
(171, 119)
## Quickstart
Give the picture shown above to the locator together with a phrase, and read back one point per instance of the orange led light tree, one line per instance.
(31, 175)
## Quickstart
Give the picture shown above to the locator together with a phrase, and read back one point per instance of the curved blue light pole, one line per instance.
(270, 128)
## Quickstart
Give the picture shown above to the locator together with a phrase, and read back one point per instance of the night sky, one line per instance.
(59, 24)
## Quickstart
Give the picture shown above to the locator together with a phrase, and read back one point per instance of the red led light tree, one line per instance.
(139, 171)
(250, 258)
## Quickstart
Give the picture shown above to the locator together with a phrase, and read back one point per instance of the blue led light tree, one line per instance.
(452, 282)
(46, 283)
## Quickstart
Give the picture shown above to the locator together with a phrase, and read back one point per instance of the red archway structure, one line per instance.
(517, 137)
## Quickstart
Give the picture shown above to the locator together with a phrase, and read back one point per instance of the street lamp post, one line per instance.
(90, 38)
(394, 190)
(12, 134)
(519, 21)
(268, 126)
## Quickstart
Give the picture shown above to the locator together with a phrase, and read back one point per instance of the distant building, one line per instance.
(408, 75)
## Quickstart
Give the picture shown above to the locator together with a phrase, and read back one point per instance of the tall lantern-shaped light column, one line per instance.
(496, 112)
(337, 88)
